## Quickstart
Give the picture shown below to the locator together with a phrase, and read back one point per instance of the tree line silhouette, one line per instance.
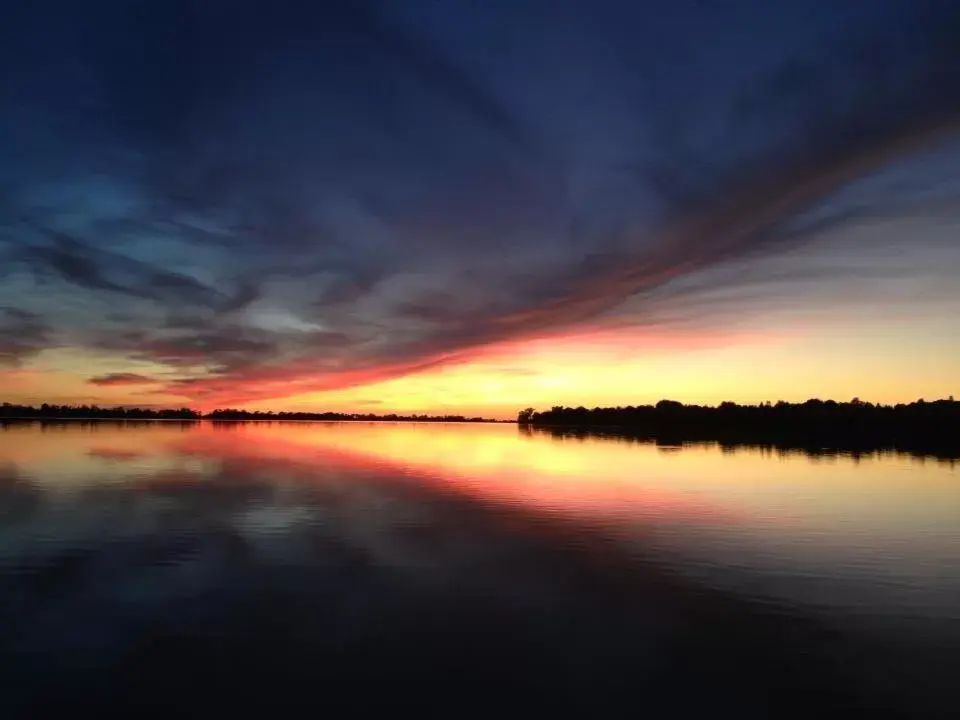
(231, 414)
(920, 425)
(95, 412)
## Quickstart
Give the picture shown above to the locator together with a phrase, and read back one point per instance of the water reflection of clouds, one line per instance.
(838, 518)
(765, 499)
(115, 454)
(589, 476)
(385, 541)
(491, 462)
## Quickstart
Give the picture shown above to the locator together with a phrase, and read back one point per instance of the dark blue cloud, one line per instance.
(22, 335)
(230, 187)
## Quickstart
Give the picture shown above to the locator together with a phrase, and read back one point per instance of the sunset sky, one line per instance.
(451, 206)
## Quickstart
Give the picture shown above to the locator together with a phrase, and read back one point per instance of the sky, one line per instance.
(452, 206)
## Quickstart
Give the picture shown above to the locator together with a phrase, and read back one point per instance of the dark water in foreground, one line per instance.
(178, 570)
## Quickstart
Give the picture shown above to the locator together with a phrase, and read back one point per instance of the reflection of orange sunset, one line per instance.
(592, 476)
(489, 462)
(499, 463)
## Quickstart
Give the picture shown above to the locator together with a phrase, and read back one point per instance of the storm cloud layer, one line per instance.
(270, 197)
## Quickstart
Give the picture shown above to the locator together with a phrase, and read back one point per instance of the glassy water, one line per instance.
(165, 568)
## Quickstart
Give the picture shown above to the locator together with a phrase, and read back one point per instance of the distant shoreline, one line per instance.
(51, 411)
(436, 421)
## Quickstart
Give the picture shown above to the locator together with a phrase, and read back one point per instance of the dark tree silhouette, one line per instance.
(921, 425)
(94, 412)
(231, 414)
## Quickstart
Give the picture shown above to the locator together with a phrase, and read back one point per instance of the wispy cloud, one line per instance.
(120, 379)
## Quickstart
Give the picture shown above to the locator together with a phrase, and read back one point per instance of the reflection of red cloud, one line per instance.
(311, 449)
(115, 454)
(170, 479)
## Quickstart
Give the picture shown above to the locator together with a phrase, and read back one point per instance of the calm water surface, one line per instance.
(161, 568)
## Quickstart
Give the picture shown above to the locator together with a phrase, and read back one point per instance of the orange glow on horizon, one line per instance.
(600, 367)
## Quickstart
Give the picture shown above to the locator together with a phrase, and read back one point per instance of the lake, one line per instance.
(164, 568)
